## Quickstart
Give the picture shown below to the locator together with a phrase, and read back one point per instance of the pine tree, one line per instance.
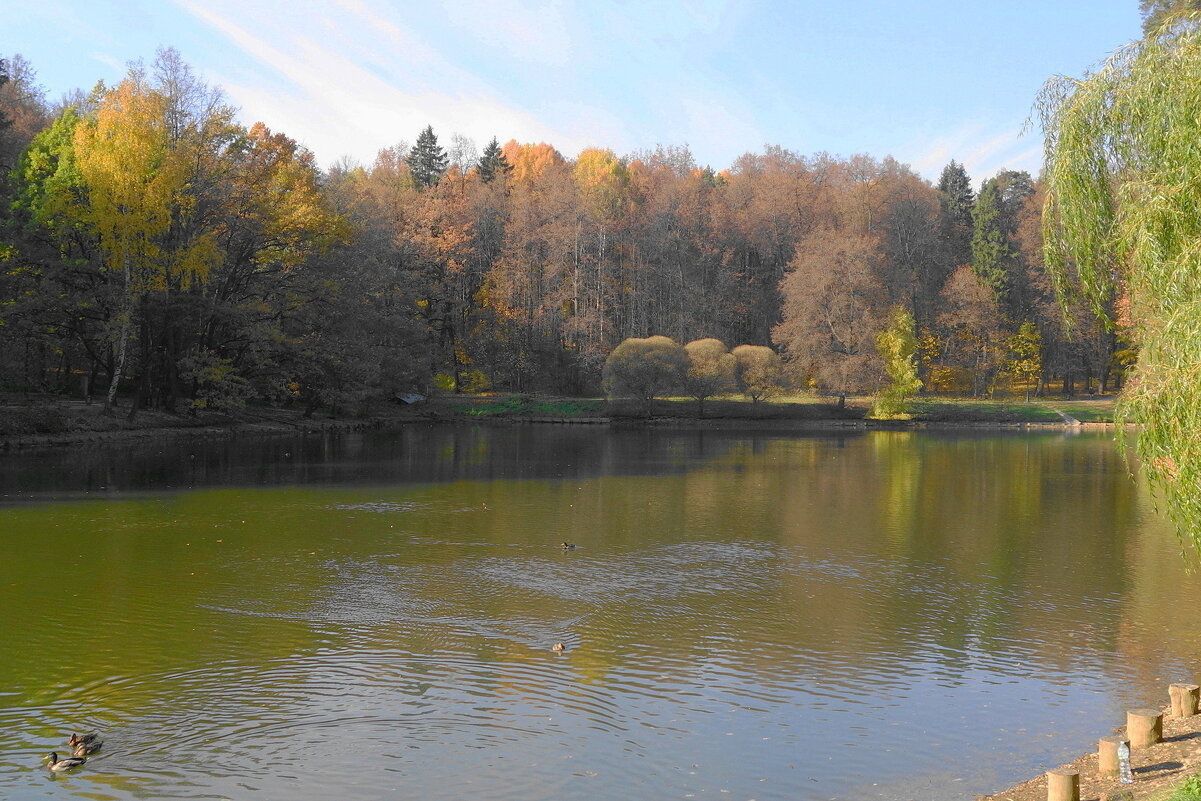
(427, 160)
(1015, 187)
(991, 253)
(493, 162)
(956, 200)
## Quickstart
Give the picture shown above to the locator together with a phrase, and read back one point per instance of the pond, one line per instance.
(884, 615)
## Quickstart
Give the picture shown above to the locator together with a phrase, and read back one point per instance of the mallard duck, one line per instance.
(88, 748)
(567, 546)
(66, 763)
(558, 647)
(76, 739)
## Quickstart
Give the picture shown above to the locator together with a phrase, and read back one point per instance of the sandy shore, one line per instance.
(1155, 769)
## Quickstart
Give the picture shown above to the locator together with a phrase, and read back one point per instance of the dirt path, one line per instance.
(1067, 418)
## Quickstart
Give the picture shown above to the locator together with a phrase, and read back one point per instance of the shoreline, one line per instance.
(49, 420)
(1156, 769)
(207, 430)
(862, 424)
(183, 428)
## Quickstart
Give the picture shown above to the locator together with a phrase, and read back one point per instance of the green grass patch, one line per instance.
(1087, 411)
(588, 407)
(1187, 790)
(524, 406)
(735, 407)
(795, 406)
(45, 419)
(514, 404)
(951, 410)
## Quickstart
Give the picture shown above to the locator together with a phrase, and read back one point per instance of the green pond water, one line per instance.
(889, 615)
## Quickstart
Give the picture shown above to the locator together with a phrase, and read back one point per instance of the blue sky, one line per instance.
(924, 81)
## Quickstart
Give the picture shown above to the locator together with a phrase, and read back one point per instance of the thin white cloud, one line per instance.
(527, 31)
(1008, 151)
(714, 128)
(981, 147)
(1030, 160)
(352, 76)
(985, 152)
(358, 80)
(934, 152)
(583, 125)
(108, 61)
(62, 17)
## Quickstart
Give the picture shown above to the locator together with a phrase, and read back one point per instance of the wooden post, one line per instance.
(1063, 785)
(1184, 699)
(1107, 754)
(1144, 727)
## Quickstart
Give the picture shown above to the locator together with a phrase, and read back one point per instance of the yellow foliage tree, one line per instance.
(645, 369)
(530, 161)
(602, 179)
(759, 371)
(711, 369)
(183, 200)
(135, 181)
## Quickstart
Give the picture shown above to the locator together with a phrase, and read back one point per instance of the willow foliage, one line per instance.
(1123, 226)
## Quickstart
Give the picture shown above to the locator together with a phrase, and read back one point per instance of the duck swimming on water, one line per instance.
(567, 546)
(88, 748)
(76, 739)
(58, 765)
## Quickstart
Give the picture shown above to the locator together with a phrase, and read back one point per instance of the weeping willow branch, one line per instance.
(1122, 226)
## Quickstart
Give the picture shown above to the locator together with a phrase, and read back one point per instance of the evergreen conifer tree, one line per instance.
(427, 160)
(956, 200)
(1015, 186)
(991, 253)
(493, 162)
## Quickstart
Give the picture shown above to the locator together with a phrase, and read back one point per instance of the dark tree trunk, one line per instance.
(143, 389)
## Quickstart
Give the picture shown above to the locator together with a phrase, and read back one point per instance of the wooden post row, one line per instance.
(1184, 699)
(1144, 727)
(1107, 755)
(1063, 785)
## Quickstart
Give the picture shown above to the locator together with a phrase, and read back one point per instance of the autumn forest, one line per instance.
(155, 252)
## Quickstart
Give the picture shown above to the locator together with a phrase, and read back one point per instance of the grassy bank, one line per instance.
(792, 407)
(1039, 410)
(1187, 790)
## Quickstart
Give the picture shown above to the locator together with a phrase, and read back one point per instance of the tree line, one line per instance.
(156, 252)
